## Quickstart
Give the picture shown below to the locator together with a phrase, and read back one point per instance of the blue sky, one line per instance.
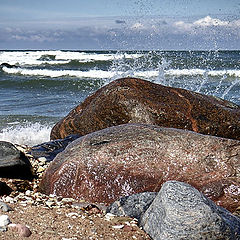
(120, 24)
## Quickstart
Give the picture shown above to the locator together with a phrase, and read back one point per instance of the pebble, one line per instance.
(22, 230)
(4, 207)
(118, 226)
(109, 216)
(4, 220)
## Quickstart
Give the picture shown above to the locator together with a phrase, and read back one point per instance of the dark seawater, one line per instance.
(43, 86)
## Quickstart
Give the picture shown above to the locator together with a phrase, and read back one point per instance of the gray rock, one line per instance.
(181, 212)
(133, 206)
(13, 163)
(4, 207)
(4, 221)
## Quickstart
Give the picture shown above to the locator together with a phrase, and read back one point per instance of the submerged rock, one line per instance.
(50, 149)
(14, 163)
(132, 158)
(181, 212)
(131, 100)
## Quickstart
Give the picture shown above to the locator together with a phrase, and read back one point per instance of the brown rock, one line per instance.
(22, 230)
(131, 100)
(131, 158)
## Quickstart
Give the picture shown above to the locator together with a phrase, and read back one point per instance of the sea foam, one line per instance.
(99, 74)
(28, 134)
(59, 57)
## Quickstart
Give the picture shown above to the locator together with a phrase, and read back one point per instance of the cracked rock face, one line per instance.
(132, 100)
(132, 158)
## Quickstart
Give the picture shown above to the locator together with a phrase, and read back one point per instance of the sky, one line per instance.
(120, 24)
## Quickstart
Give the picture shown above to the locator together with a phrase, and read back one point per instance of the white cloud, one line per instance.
(208, 21)
(169, 33)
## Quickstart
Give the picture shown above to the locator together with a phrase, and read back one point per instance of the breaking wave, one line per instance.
(29, 134)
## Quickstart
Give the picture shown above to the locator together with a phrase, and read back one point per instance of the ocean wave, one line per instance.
(28, 134)
(102, 74)
(33, 58)
(202, 72)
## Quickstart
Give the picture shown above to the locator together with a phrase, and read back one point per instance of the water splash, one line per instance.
(229, 88)
(28, 134)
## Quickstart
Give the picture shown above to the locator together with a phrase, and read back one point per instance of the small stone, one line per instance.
(22, 230)
(4, 207)
(118, 226)
(40, 169)
(9, 199)
(50, 203)
(42, 159)
(72, 215)
(28, 193)
(4, 220)
(109, 216)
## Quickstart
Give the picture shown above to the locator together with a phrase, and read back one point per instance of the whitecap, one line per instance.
(28, 134)
(59, 57)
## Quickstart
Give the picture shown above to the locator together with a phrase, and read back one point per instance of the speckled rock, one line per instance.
(131, 100)
(132, 158)
(181, 212)
(14, 163)
(133, 206)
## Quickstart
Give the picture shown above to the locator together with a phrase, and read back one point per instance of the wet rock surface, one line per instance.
(50, 149)
(14, 163)
(133, 158)
(132, 100)
(181, 212)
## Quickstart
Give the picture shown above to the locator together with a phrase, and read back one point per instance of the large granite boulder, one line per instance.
(132, 158)
(131, 100)
(181, 212)
(14, 163)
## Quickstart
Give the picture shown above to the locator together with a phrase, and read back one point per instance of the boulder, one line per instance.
(14, 163)
(181, 212)
(131, 100)
(132, 158)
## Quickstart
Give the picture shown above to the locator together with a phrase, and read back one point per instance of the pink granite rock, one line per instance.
(132, 158)
(22, 229)
(132, 100)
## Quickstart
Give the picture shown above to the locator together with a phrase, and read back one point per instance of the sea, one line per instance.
(38, 88)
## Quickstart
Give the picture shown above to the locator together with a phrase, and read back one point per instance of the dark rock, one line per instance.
(131, 100)
(181, 212)
(4, 189)
(132, 158)
(86, 206)
(13, 163)
(133, 206)
(50, 149)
